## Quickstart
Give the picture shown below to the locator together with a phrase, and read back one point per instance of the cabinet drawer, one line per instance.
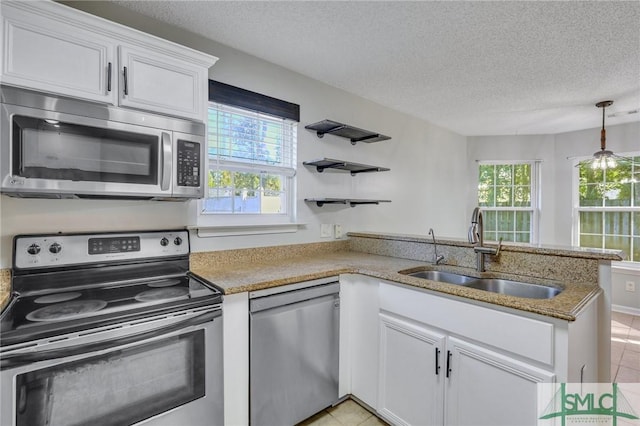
(519, 335)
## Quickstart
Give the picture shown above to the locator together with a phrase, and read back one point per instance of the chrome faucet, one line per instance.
(476, 236)
(476, 231)
(436, 259)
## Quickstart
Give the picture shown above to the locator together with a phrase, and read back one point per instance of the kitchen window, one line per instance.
(251, 159)
(508, 196)
(607, 208)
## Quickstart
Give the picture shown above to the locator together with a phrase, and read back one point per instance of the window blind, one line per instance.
(242, 140)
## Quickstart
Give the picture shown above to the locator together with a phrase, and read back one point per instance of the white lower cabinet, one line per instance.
(444, 361)
(430, 378)
(485, 387)
(411, 372)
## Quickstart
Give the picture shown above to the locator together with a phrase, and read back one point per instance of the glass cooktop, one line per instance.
(48, 314)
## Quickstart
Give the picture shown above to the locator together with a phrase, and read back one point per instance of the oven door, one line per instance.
(66, 155)
(166, 371)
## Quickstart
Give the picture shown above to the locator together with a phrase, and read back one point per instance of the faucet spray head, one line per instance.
(473, 235)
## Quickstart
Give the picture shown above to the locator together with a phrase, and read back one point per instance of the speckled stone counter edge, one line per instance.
(5, 287)
(577, 252)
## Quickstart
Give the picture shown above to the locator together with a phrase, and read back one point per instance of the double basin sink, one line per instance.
(494, 285)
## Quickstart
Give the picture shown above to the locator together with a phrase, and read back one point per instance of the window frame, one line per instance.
(535, 195)
(577, 209)
(229, 223)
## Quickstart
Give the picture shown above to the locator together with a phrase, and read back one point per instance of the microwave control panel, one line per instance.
(188, 163)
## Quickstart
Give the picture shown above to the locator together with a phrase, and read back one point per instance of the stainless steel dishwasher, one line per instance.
(294, 351)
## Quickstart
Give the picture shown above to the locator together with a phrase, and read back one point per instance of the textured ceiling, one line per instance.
(477, 68)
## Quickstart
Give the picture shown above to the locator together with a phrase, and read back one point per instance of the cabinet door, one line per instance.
(360, 337)
(160, 83)
(411, 372)
(54, 56)
(488, 388)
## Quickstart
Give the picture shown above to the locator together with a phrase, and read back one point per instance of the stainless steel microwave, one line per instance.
(57, 147)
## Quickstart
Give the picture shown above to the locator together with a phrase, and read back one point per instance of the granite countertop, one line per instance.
(249, 276)
(5, 287)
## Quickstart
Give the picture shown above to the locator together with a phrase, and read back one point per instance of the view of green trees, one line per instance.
(249, 183)
(504, 193)
(611, 187)
(504, 185)
(608, 200)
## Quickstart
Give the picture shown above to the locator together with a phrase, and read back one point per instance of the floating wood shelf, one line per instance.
(354, 134)
(354, 168)
(351, 202)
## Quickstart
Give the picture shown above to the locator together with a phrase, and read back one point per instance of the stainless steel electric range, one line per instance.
(110, 329)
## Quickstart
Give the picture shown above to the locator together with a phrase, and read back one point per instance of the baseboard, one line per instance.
(625, 309)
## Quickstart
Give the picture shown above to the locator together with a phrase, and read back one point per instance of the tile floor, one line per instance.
(347, 413)
(625, 368)
(625, 348)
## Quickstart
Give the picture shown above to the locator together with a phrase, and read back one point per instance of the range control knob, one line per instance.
(177, 241)
(164, 242)
(55, 248)
(33, 249)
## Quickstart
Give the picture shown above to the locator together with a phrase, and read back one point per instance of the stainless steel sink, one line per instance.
(515, 288)
(441, 276)
(493, 285)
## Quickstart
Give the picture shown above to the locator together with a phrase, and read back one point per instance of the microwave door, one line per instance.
(58, 153)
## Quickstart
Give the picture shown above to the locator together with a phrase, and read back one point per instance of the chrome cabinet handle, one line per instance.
(126, 86)
(109, 77)
(166, 161)
(16, 360)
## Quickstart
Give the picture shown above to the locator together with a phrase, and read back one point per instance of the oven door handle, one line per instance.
(19, 359)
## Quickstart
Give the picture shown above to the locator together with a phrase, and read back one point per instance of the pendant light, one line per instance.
(605, 159)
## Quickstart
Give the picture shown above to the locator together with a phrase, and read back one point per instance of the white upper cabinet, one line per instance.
(158, 83)
(44, 54)
(56, 49)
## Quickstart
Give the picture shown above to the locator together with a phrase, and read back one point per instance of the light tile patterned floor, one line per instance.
(348, 413)
(625, 348)
(625, 368)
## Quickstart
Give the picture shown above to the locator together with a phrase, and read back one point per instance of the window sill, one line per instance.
(234, 230)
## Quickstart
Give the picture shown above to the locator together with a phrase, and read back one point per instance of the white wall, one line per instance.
(419, 155)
